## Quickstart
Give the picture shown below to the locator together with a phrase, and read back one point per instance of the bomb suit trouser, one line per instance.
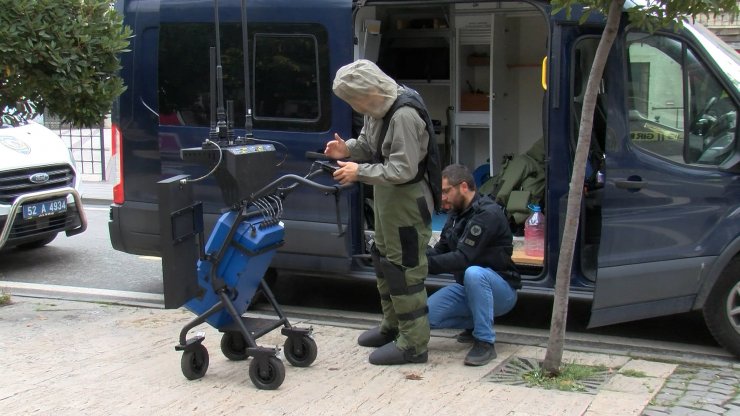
(402, 232)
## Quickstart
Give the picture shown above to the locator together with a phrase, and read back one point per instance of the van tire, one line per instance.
(724, 297)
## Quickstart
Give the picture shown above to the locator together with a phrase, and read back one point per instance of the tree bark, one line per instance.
(555, 344)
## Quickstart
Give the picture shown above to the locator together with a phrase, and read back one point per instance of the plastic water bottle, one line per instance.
(534, 233)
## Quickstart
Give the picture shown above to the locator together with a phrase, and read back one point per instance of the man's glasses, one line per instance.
(447, 190)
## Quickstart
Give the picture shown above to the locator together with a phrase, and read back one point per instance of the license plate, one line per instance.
(43, 209)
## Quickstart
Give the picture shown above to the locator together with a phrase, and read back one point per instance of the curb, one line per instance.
(96, 201)
(85, 294)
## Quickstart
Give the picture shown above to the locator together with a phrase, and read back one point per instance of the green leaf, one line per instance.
(584, 17)
(62, 55)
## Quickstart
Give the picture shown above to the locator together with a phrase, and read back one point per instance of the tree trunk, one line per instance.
(554, 355)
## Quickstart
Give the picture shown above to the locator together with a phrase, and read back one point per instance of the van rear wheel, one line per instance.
(722, 308)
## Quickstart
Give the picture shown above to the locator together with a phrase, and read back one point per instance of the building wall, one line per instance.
(726, 27)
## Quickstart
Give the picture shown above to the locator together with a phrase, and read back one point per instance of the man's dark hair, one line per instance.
(457, 174)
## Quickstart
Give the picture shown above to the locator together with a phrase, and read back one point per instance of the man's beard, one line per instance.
(457, 206)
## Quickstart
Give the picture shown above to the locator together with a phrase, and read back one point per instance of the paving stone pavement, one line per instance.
(694, 390)
(82, 358)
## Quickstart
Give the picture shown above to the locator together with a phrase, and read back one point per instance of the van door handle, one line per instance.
(630, 184)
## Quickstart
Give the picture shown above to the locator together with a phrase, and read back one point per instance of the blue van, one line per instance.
(660, 225)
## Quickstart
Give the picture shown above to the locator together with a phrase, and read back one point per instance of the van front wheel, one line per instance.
(722, 308)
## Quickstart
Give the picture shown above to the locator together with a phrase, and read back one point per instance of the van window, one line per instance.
(289, 75)
(677, 108)
(584, 53)
(286, 74)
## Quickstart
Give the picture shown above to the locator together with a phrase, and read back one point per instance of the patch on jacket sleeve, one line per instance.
(472, 235)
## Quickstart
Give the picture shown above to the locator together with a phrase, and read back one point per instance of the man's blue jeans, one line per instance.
(484, 295)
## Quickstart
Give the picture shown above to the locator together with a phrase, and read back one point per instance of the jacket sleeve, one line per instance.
(449, 262)
(360, 149)
(472, 247)
(442, 246)
(403, 150)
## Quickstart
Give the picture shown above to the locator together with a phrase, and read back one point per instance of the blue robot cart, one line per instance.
(218, 280)
(242, 267)
(242, 247)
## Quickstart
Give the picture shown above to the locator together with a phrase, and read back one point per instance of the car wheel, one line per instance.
(722, 308)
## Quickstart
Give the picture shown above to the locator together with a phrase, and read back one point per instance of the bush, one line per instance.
(60, 55)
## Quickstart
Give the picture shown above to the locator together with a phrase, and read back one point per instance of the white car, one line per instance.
(39, 187)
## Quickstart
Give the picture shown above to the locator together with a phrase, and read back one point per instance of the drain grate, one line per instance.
(511, 373)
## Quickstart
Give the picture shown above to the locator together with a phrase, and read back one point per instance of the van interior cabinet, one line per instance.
(496, 87)
(474, 90)
(477, 66)
(471, 90)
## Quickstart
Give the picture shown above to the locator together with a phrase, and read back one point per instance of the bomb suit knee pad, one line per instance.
(410, 305)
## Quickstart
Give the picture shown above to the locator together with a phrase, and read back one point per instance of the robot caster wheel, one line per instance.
(194, 362)
(267, 373)
(300, 351)
(234, 346)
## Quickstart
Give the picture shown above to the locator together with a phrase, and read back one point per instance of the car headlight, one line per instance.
(72, 159)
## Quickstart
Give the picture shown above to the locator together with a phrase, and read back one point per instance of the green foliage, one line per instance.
(60, 55)
(652, 15)
(570, 377)
(4, 298)
(633, 373)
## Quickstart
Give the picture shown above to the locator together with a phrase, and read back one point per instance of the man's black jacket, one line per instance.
(478, 236)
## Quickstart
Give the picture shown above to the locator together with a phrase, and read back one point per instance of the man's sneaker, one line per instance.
(481, 354)
(465, 337)
(390, 354)
(374, 337)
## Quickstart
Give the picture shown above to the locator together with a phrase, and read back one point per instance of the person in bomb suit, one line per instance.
(392, 153)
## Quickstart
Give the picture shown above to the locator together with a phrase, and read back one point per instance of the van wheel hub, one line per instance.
(732, 307)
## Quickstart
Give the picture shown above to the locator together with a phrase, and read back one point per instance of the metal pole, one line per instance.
(102, 150)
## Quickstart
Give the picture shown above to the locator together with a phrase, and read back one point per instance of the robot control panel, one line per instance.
(240, 169)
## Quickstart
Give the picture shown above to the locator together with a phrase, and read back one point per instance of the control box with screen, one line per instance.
(242, 169)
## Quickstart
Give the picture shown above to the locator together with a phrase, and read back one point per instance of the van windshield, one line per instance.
(728, 61)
